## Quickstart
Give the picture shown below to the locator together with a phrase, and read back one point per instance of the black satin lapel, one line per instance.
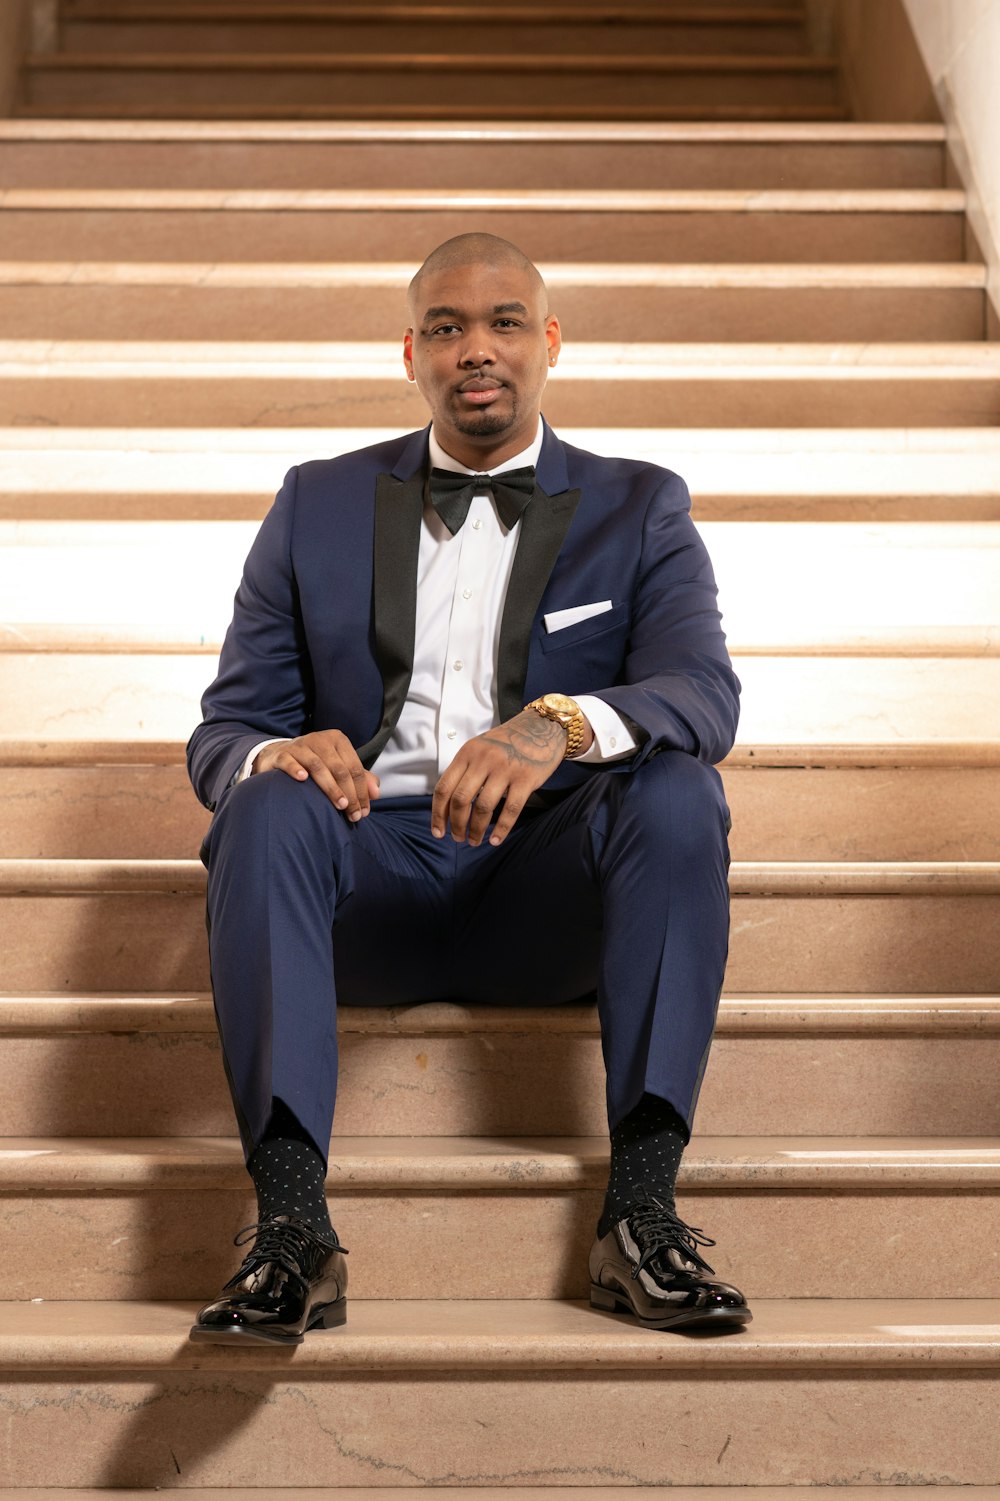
(399, 507)
(543, 528)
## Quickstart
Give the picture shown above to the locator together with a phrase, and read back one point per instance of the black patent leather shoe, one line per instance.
(292, 1280)
(648, 1265)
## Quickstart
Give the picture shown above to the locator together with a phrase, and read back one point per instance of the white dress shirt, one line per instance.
(461, 588)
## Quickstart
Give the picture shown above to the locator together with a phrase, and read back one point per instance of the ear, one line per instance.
(408, 354)
(553, 338)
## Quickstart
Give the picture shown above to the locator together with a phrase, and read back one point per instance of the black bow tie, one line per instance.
(451, 494)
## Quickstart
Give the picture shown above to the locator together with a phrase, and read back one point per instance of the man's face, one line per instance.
(479, 352)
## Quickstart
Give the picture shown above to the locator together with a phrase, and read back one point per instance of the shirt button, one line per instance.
(452, 734)
(466, 593)
(477, 526)
(613, 742)
(458, 664)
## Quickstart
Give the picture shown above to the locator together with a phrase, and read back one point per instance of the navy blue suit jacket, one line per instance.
(323, 628)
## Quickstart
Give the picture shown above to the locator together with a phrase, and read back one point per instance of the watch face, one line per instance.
(559, 703)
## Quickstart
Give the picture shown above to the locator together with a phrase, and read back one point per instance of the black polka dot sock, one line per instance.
(646, 1149)
(289, 1174)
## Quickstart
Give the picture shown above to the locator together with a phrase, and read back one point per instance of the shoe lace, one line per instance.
(285, 1242)
(657, 1227)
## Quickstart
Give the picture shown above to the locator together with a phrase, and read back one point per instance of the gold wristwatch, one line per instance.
(565, 711)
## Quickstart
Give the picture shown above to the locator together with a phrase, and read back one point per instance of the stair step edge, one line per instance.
(87, 1166)
(817, 1335)
(41, 877)
(51, 1015)
(139, 131)
(944, 754)
(538, 200)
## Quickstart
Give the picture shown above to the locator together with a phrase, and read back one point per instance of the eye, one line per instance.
(506, 323)
(443, 328)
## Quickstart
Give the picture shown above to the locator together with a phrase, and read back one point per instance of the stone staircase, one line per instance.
(784, 305)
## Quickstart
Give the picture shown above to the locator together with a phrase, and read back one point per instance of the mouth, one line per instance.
(479, 393)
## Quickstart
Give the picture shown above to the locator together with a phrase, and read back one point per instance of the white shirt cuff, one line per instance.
(612, 741)
(247, 767)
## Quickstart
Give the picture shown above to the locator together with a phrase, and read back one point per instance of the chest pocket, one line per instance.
(614, 621)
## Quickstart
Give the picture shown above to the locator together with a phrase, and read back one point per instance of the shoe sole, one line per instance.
(609, 1301)
(331, 1317)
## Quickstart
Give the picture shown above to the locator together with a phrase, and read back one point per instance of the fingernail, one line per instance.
(495, 840)
(342, 802)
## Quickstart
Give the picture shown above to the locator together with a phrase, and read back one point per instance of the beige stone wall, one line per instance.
(960, 44)
(13, 42)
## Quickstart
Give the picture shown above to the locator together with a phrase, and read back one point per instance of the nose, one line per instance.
(475, 356)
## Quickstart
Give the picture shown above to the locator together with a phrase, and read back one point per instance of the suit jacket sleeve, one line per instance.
(678, 684)
(264, 688)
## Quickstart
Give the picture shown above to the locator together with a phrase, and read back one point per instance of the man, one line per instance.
(376, 776)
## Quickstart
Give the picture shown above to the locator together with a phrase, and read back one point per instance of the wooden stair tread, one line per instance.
(401, 1335)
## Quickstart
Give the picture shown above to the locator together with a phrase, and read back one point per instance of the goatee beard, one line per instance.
(487, 423)
(485, 426)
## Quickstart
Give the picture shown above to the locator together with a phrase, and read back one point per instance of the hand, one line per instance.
(511, 761)
(329, 758)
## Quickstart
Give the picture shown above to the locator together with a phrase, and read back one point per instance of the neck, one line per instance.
(484, 453)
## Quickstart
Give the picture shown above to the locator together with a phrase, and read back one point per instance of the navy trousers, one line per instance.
(621, 888)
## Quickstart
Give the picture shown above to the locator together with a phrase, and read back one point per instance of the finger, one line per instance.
(360, 802)
(460, 805)
(323, 774)
(353, 778)
(353, 787)
(442, 798)
(280, 759)
(508, 818)
(484, 808)
(374, 785)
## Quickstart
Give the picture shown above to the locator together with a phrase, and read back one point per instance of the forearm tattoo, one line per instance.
(529, 740)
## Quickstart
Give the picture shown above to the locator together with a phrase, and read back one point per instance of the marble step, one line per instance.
(428, 84)
(117, 1064)
(556, 154)
(504, 1393)
(60, 697)
(141, 300)
(853, 926)
(793, 1217)
(546, 28)
(157, 474)
(917, 589)
(581, 224)
(833, 802)
(513, 1493)
(783, 10)
(362, 384)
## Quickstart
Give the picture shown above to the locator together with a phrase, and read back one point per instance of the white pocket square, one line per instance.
(558, 620)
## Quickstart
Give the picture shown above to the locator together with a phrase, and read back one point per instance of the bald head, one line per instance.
(488, 251)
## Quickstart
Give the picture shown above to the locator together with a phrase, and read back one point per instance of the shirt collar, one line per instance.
(441, 460)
